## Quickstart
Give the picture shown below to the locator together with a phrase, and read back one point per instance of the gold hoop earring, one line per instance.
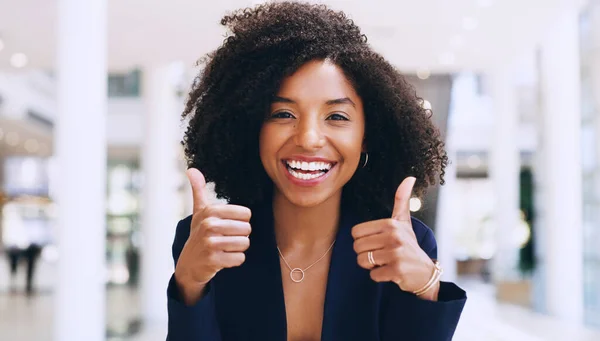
(366, 160)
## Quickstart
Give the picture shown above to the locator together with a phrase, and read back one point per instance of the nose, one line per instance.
(309, 135)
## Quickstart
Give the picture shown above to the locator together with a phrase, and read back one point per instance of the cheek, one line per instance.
(353, 159)
(269, 142)
(263, 145)
(352, 147)
(262, 137)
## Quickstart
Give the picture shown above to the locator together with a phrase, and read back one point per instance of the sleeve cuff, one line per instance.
(451, 292)
(451, 300)
(423, 319)
(174, 295)
(184, 320)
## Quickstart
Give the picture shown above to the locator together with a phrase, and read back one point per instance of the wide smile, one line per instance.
(307, 173)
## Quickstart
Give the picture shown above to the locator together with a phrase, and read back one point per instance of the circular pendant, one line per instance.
(298, 271)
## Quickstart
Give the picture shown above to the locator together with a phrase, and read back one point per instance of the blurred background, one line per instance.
(92, 172)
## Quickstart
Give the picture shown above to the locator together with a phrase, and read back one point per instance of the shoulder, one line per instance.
(182, 233)
(185, 223)
(425, 237)
(183, 227)
(421, 230)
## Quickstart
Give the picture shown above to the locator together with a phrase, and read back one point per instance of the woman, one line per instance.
(307, 133)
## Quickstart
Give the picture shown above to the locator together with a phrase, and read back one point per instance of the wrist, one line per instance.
(190, 290)
(431, 288)
(432, 294)
(186, 276)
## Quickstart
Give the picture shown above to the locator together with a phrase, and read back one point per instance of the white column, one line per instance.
(561, 167)
(504, 167)
(161, 202)
(447, 215)
(81, 159)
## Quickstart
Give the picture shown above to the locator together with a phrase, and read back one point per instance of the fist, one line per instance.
(218, 236)
(389, 247)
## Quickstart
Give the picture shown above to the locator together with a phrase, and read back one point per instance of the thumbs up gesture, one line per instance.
(218, 238)
(390, 250)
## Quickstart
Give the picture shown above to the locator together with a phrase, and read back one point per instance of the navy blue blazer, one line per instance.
(246, 303)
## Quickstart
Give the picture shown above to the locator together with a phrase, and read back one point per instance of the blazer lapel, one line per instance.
(348, 316)
(249, 299)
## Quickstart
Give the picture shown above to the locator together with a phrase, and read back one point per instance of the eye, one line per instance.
(282, 114)
(337, 117)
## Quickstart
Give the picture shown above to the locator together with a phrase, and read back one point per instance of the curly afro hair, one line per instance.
(231, 96)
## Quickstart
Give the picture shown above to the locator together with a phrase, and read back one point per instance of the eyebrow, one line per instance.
(278, 99)
(345, 100)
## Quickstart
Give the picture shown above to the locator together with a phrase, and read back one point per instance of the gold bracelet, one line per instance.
(435, 277)
(431, 280)
(431, 286)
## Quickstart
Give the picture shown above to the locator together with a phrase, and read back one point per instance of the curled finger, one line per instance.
(229, 243)
(371, 259)
(232, 259)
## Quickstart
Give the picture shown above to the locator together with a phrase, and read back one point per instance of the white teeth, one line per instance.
(309, 166)
(303, 176)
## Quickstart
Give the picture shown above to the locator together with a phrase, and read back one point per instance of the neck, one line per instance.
(305, 227)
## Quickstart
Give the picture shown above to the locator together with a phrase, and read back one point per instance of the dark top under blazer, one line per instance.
(246, 303)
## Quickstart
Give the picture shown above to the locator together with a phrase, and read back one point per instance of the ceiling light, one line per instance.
(423, 73)
(485, 3)
(447, 58)
(470, 23)
(457, 41)
(415, 204)
(426, 105)
(19, 60)
(32, 145)
(12, 138)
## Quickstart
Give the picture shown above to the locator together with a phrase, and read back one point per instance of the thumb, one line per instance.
(402, 201)
(198, 188)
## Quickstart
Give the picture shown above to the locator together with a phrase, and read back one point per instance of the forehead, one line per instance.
(318, 80)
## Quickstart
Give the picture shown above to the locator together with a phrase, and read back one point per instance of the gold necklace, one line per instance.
(298, 270)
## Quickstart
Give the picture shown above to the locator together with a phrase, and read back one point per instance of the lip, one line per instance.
(311, 182)
(309, 159)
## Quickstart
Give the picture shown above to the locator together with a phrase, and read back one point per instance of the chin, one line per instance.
(307, 200)
(305, 203)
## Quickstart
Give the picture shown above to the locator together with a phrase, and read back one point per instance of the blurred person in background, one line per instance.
(23, 239)
(317, 143)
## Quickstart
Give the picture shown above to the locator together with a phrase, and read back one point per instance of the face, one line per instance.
(311, 141)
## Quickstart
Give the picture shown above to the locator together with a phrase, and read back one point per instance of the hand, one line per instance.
(218, 237)
(394, 246)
